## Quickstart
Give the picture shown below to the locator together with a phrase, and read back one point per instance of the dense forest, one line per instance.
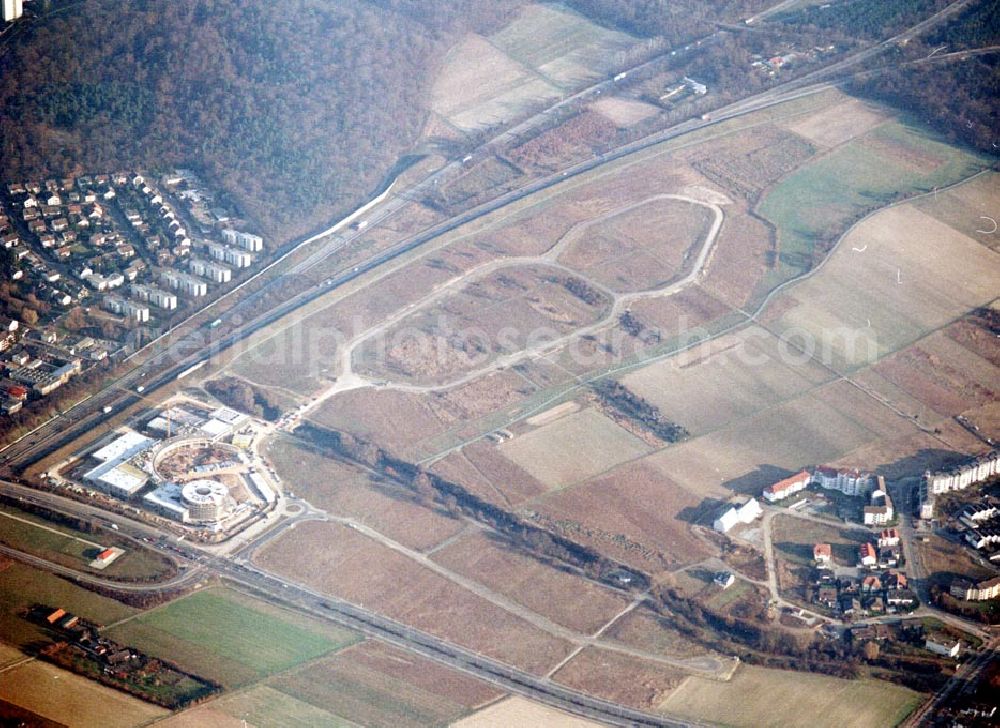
(677, 21)
(869, 19)
(960, 98)
(298, 108)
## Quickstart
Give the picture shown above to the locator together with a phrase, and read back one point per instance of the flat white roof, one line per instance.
(265, 490)
(215, 427)
(127, 445)
(167, 497)
(227, 415)
(118, 479)
(159, 424)
(243, 439)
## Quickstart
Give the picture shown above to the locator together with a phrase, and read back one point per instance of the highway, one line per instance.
(201, 566)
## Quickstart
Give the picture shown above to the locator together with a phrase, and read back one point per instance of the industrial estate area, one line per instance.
(187, 463)
(658, 384)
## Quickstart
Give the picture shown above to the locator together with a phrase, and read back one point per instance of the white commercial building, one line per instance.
(120, 479)
(266, 491)
(207, 501)
(734, 514)
(125, 446)
(167, 501)
(116, 475)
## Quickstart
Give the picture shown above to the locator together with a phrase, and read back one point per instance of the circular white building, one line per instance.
(206, 500)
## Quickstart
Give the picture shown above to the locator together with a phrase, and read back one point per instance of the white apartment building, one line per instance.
(232, 256)
(961, 476)
(122, 307)
(246, 241)
(849, 481)
(159, 298)
(215, 272)
(184, 283)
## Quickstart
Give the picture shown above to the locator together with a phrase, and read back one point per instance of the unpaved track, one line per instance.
(348, 379)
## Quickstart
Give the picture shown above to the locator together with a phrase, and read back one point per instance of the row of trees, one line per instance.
(432, 490)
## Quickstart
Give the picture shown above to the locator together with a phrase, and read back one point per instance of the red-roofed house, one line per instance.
(56, 616)
(888, 537)
(867, 555)
(822, 554)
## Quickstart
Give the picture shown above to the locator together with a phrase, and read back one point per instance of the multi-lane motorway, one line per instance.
(198, 565)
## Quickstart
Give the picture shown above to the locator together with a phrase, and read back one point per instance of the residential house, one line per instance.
(867, 555)
(827, 595)
(822, 554)
(724, 579)
(888, 537)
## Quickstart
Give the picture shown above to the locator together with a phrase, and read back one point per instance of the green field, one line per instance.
(21, 587)
(227, 636)
(820, 200)
(266, 707)
(61, 545)
(757, 697)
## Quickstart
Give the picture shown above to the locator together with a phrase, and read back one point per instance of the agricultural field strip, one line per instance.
(710, 666)
(607, 625)
(16, 663)
(642, 360)
(48, 528)
(348, 380)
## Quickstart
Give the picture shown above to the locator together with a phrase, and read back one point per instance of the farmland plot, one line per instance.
(564, 598)
(639, 248)
(761, 697)
(813, 204)
(561, 45)
(480, 86)
(573, 448)
(899, 275)
(349, 565)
